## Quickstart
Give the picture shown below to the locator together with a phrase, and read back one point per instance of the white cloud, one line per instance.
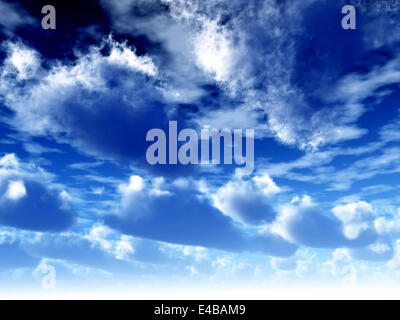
(66, 196)
(7, 237)
(288, 213)
(16, 190)
(353, 88)
(124, 248)
(98, 234)
(136, 184)
(284, 264)
(302, 264)
(182, 79)
(341, 266)
(214, 50)
(9, 161)
(266, 185)
(305, 223)
(354, 212)
(122, 55)
(60, 83)
(21, 61)
(11, 167)
(380, 247)
(103, 236)
(159, 186)
(388, 226)
(356, 217)
(198, 253)
(247, 201)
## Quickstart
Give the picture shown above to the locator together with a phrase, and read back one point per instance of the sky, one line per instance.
(77, 196)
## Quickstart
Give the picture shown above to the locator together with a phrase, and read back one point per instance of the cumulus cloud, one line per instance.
(213, 51)
(356, 217)
(21, 62)
(248, 201)
(77, 103)
(26, 201)
(135, 184)
(185, 216)
(341, 266)
(124, 248)
(306, 224)
(98, 234)
(16, 190)
(388, 226)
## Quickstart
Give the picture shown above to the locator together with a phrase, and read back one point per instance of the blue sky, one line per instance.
(76, 192)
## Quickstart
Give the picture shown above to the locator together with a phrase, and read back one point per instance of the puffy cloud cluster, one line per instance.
(388, 226)
(181, 214)
(249, 202)
(306, 224)
(220, 63)
(80, 103)
(202, 216)
(356, 218)
(27, 200)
